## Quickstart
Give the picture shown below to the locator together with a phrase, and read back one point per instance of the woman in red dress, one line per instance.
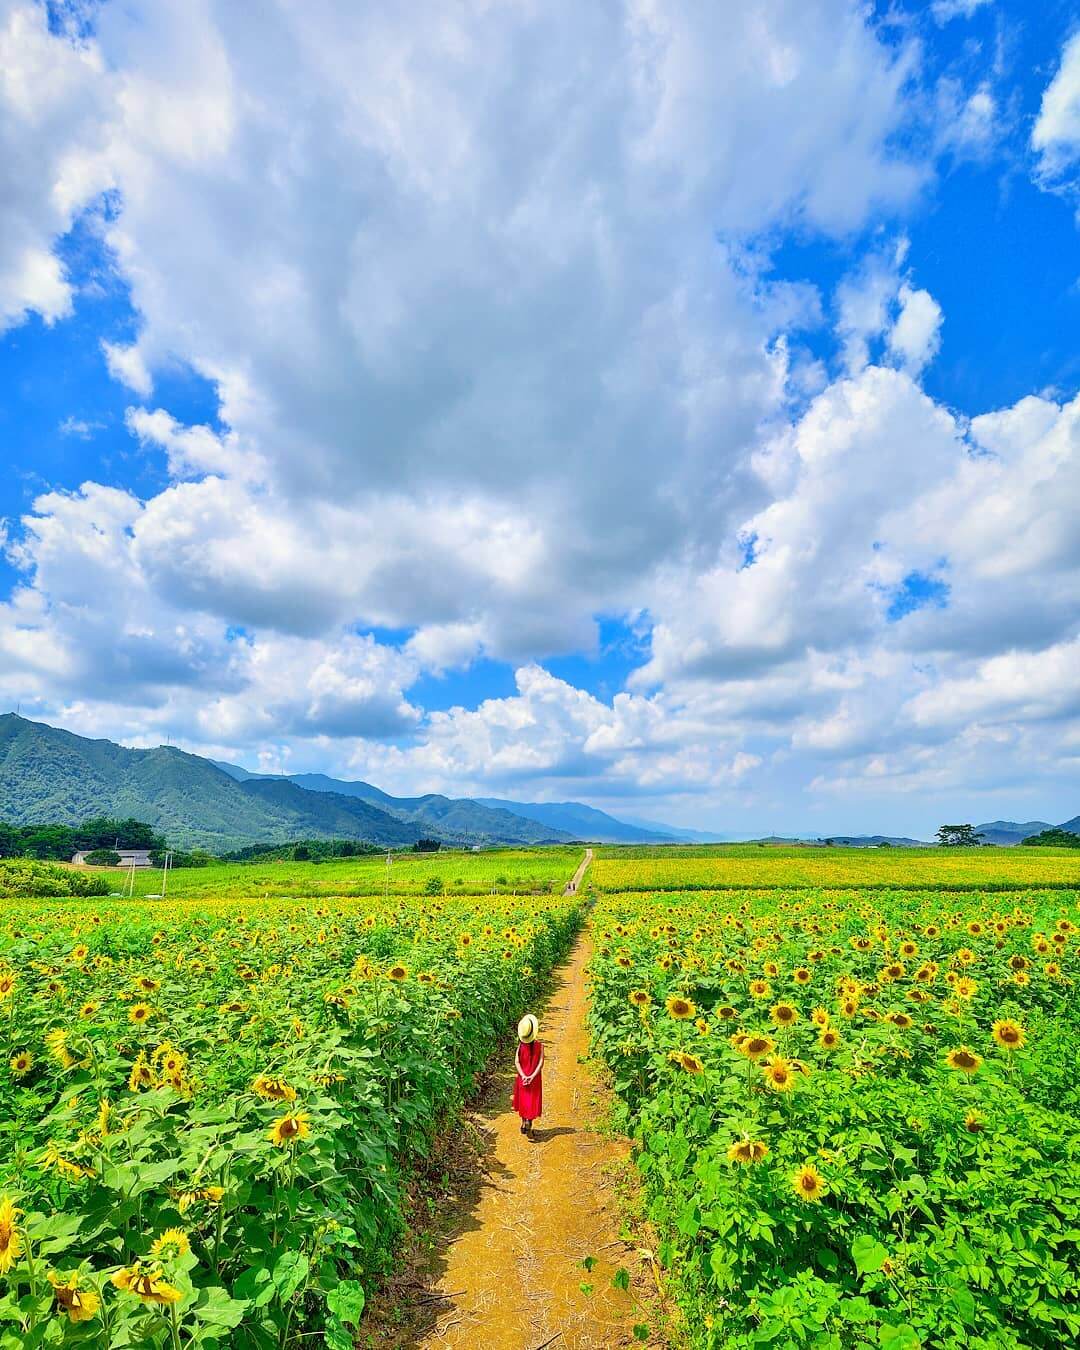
(528, 1085)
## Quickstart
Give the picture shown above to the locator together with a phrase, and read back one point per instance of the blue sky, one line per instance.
(674, 410)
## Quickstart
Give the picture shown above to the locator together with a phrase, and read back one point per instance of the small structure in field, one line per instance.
(129, 857)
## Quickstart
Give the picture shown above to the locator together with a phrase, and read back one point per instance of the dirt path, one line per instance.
(575, 880)
(513, 1278)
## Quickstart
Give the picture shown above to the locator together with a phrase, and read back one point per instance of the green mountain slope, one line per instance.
(50, 775)
(458, 818)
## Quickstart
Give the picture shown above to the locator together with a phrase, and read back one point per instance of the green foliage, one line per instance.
(958, 836)
(27, 879)
(1054, 839)
(102, 857)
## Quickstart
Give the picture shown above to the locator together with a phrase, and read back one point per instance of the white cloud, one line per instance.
(967, 123)
(945, 10)
(1056, 133)
(915, 337)
(52, 131)
(126, 364)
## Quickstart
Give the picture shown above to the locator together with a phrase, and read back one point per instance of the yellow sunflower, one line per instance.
(756, 1046)
(747, 1151)
(1009, 1035)
(640, 998)
(778, 1074)
(286, 1131)
(963, 1060)
(147, 1285)
(80, 1305)
(680, 1008)
(139, 1013)
(808, 1183)
(11, 1242)
(21, 1063)
(171, 1244)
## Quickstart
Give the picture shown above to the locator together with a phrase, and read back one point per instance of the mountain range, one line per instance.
(51, 775)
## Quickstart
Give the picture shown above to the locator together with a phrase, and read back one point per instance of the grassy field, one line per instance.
(856, 1113)
(728, 865)
(504, 871)
(210, 1109)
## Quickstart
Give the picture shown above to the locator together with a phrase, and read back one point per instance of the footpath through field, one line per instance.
(508, 1270)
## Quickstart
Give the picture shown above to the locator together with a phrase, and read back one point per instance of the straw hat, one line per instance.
(528, 1028)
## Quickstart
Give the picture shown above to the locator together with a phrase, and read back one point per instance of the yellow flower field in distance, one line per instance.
(724, 865)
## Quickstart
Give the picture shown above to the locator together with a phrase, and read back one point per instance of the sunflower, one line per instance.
(286, 1131)
(726, 1012)
(963, 1059)
(681, 1009)
(760, 988)
(145, 1284)
(802, 975)
(808, 1183)
(909, 948)
(398, 972)
(272, 1089)
(11, 1242)
(171, 1244)
(901, 1020)
(691, 1064)
(820, 1017)
(139, 1012)
(756, 1047)
(849, 1007)
(1052, 969)
(784, 1015)
(778, 1074)
(640, 998)
(702, 1026)
(966, 988)
(210, 1195)
(747, 1151)
(828, 1038)
(1009, 1035)
(21, 1063)
(973, 1123)
(79, 1304)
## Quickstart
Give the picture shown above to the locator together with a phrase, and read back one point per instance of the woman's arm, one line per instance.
(517, 1063)
(536, 1071)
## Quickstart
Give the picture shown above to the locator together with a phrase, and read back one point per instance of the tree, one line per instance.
(435, 886)
(958, 836)
(103, 857)
(427, 846)
(301, 853)
(1055, 838)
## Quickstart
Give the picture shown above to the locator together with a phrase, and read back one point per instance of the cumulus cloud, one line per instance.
(1056, 133)
(53, 134)
(946, 10)
(485, 299)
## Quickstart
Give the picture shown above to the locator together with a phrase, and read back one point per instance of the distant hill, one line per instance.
(1009, 832)
(874, 841)
(583, 822)
(459, 818)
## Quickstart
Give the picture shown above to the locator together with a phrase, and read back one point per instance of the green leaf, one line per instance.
(867, 1253)
(902, 1337)
(347, 1301)
(641, 1331)
(965, 1304)
(621, 1278)
(588, 1263)
(290, 1272)
(217, 1309)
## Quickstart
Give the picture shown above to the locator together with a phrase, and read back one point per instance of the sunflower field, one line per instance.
(211, 1109)
(856, 1114)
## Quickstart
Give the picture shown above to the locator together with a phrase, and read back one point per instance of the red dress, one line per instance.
(529, 1098)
